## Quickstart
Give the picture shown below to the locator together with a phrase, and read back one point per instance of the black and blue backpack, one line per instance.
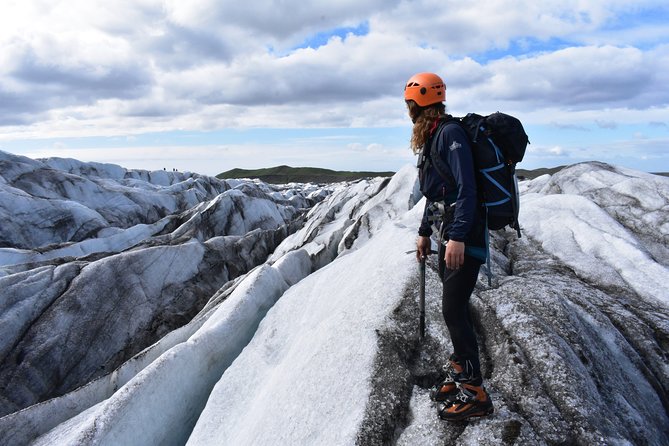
(498, 142)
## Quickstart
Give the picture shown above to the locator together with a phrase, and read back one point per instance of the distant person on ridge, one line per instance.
(451, 204)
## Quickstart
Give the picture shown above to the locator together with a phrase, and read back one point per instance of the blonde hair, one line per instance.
(423, 119)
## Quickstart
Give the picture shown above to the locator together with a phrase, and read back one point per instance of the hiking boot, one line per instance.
(471, 401)
(448, 388)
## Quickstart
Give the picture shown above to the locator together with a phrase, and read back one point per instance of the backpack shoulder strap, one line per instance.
(435, 159)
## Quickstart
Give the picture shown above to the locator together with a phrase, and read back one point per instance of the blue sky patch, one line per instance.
(322, 38)
(658, 15)
(523, 47)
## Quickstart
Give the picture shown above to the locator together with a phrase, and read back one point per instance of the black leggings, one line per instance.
(458, 287)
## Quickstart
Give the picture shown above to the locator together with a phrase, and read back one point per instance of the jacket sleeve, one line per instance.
(455, 149)
(425, 229)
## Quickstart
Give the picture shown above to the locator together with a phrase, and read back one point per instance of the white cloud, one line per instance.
(462, 27)
(557, 150)
(99, 68)
(584, 77)
(540, 151)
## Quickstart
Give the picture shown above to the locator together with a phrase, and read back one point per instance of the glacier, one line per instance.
(171, 308)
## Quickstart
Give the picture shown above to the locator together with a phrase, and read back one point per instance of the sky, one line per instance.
(211, 85)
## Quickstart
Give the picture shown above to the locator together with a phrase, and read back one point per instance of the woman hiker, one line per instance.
(461, 394)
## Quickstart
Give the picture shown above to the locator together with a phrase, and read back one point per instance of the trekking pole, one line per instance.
(421, 302)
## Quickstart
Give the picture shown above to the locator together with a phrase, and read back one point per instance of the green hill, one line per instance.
(524, 174)
(287, 174)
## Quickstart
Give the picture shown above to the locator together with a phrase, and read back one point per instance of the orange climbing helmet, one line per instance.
(425, 89)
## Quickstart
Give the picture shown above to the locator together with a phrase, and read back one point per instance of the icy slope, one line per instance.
(72, 312)
(318, 344)
(187, 369)
(60, 200)
(313, 373)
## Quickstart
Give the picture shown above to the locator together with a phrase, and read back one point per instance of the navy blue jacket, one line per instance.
(466, 222)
